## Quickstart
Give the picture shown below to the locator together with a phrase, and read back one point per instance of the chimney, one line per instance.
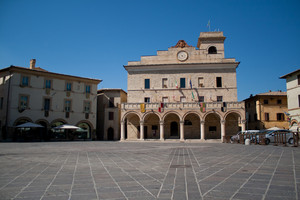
(32, 63)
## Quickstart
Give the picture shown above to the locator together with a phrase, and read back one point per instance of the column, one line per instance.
(243, 125)
(122, 130)
(141, 130)
(181, 130)
(161, 129)
(202, 128)
(223, 130)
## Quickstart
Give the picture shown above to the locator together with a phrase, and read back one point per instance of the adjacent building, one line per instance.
(183, 93)
(46, 98)
(267, 110)
(109, 113)
(293, 96)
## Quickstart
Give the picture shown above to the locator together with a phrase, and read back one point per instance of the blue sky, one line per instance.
(95, 39)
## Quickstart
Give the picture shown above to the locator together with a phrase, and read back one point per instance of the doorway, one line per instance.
(110, 134)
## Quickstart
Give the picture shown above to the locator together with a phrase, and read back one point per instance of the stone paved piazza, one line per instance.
(148, 170)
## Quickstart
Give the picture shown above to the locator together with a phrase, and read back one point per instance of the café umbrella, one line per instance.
(67, 127)
(29, 125)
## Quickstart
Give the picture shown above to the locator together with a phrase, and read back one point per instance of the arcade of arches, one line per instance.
(182, 126)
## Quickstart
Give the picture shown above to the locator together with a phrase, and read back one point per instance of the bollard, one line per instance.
(247, 141)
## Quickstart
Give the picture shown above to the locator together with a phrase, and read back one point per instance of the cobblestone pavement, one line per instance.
(148, 170)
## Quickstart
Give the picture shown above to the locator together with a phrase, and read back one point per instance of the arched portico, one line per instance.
(212, 126)
(151, 126)
(191, 126)
(133, 126)
(173, 126)
(232, 123)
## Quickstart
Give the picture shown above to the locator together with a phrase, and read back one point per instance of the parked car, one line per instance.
(269, 137)
(237, 136)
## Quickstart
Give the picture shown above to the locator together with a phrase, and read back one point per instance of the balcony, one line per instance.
(183, 106)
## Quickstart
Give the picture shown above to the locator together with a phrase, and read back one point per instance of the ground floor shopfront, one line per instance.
(181, 121)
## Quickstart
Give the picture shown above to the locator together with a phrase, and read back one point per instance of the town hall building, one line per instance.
(183, 93)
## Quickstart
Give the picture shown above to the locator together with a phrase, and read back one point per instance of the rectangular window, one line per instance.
(266, 101)
(23, 102)
(111, 102)
(147, 100)
(87, 89)
(219, 81)
(182, 99)
(267, 117)
(25, 81)
(212, 128)
(87, 107)
(219, 98)
(182, 82)
(200, 82)
(68, 105)
(110, 116)
(165, 99)
(48, 84)
(279, 101)
(147, 83)
(280, 117)
(164, 83)
(201, 98)
(46, 104)
(68, 86)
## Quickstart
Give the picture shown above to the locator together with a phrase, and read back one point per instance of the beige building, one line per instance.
(267, 110)
(109, 113)
(50, 99)
(293, 96)
(183, 93)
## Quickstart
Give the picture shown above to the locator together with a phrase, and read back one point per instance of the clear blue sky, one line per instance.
(94, 38)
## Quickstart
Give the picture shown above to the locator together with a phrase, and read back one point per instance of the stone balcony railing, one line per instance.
(183, 105)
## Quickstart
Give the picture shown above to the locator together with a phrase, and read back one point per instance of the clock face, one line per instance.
(182, 56)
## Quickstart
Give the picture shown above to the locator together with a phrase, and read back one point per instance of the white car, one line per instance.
(269, 137)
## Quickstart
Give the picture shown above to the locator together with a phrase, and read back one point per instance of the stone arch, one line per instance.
(132, 125)
(212, 112)
(57, 134)
(87, 129)
(22, 120)
(149, 113)
(43, 121)
(44, 131)
(294, 122)
(86, 121)
(212, 50)
(128, 113)
(213, 125)
(192, 125)
(58, 120)
(171, 125)
(171, 112)
(151, 125)
(232, 122)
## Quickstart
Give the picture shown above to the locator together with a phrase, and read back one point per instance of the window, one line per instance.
(212, 128)
(46, 104)
(267, 117)
(187, 122)
(1, 103)
(165, 99)
(154, 127)
(87, 89)
(67, 105)
(219, 81)
(25, 81)
(147, 100)
(164, 83)
(111, 102)
(147, 83)
(87, 107)
(201, 98)
(212, 50)
(182, 99)
(219, 98)
(182, 82)
(200, 82)
(266, 101)
(48, 84)
(23, 102)
(110, 116)
(279, 101)
(68, 86)
(280, 117)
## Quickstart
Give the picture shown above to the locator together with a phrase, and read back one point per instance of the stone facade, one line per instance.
(183, 93)
(267, 110)
(293, 96)
(50, 99)
(109, 113)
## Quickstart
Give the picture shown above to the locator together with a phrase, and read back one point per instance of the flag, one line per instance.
(176, 84)
(191, 84)
(208, 24)
(193, 95)
(142, 105)
(202, 107)
(161, 108)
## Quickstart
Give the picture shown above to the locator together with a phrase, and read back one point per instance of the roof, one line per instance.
(110, 89)
(39, 70)
(290, 74)
(271, 93)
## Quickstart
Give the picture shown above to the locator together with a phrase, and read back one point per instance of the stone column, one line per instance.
(161, 129)
(122, 130)
(141, 130)
(223, 130)
(244, 125)
(181, 130)
(202, 128)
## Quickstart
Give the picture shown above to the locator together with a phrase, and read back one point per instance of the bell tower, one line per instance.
(212, 43)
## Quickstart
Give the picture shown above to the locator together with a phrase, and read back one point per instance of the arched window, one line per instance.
(212, 50)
